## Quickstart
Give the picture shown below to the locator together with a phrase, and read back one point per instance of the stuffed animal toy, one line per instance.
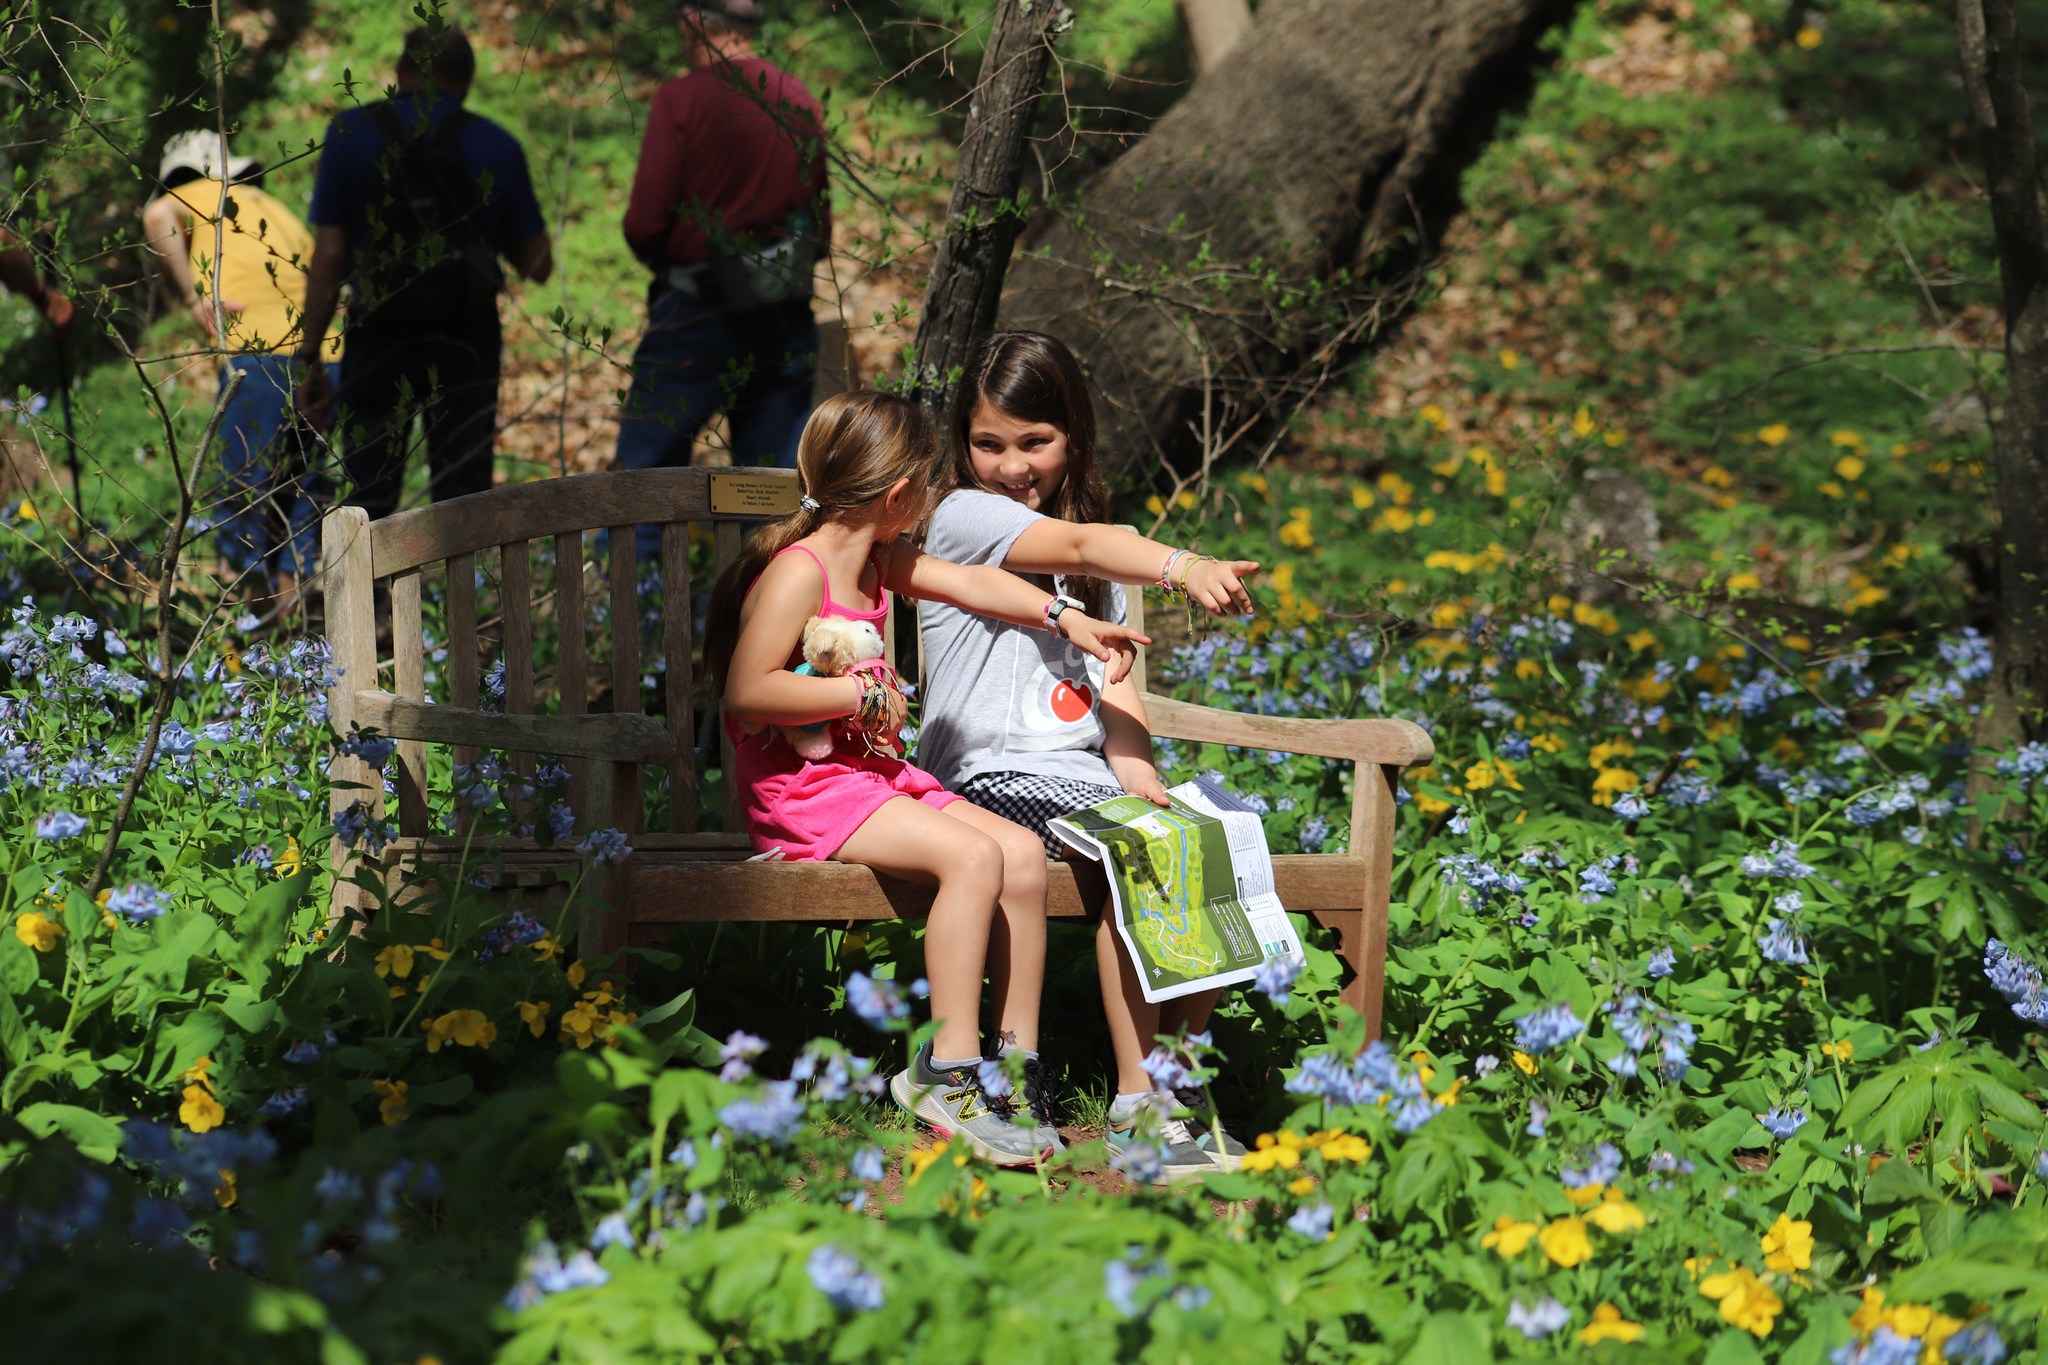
(833, 647)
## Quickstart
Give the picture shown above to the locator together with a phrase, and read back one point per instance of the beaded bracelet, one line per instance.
(1166, 570)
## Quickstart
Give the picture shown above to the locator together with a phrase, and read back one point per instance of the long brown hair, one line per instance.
(1034, 378)
(854, 448)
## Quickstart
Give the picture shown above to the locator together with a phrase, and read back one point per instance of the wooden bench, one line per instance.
(678, 875)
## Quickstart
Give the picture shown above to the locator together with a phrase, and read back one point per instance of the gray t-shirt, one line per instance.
(998, 697)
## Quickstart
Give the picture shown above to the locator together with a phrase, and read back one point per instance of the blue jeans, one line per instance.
(756, 367)
(271, 505)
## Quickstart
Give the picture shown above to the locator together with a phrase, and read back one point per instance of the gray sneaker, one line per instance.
(1201, 1121)
(1151, 1123)
(954, 1104)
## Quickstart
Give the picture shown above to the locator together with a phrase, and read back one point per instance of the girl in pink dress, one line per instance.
(866, 463)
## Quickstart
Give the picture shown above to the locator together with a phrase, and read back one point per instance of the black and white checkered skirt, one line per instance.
(1031, 800)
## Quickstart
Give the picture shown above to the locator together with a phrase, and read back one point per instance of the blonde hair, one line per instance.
(854, 449)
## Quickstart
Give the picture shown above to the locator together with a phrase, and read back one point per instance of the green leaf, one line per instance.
(94, 1135)
(259, 937)
(1897, 1181)
(1733, 1347)
(1450, 1339)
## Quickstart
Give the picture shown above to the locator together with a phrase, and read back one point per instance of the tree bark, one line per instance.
(985, 213)
(1214, 26)
(1987, 34)
(1189, 264)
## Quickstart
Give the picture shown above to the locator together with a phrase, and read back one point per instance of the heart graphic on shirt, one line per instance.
(1072, 703)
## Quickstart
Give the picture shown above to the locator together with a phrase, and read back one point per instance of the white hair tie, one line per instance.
(809, 503)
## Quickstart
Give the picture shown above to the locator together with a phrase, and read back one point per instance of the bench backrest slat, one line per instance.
(515, 607)
(571, 673)
(623, 782)
(463, 661)
(409, 665)
(727, 538)
(676, 630)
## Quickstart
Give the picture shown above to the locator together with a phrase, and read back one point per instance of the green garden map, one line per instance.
(1192, 887)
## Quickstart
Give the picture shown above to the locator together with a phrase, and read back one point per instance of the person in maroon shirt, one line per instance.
(730, 211)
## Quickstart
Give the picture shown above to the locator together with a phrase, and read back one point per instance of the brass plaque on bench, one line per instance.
(752, 495)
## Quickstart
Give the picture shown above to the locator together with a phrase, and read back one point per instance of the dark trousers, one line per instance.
(449, 381)
(694, 363)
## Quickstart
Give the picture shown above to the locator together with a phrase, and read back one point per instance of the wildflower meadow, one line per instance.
(1716, 1023)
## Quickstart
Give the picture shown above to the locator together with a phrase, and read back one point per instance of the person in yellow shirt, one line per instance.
(236, 257)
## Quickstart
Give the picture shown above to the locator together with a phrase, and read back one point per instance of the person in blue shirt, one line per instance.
(415, 202)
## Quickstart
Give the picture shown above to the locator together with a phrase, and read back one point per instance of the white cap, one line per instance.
(200, 153)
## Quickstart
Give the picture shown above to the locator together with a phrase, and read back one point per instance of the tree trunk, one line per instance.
(1184, 269)
(1214, 26)
(985, 213)
(1988, 41)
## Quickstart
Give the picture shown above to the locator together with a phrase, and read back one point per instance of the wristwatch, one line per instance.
(1058, 605)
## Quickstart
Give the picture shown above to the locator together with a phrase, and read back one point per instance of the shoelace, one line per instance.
(1192, 1100)
(1002, 1106)
(1038, 1091)
(1173, 1130)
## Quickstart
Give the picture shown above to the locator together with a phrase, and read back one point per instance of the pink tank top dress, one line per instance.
(809, 809)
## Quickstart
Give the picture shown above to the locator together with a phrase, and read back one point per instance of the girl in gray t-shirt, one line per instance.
(1023, 725)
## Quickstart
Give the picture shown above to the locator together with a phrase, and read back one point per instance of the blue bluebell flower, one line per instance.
(841, 1279)
(284, 1102)
(561, 821)
(1124, 1277)
(1141, 1162)
(1884, 1347)
(612, 1230)
(605, 846)
(1594, 881)
(1539, 1119)
(1539, 1032)
(867, 1164)
(1313, 1221)
(139, 901)
(877, 1002)
(1538, 1320)
(775, 1114)
(1781, 942)
(1782, 1123)
(545, 1273)
(1313, 833)
(1276, 977)
(1600, 1169)
(1484, 1065)
(995, 1081)
(1167, 1069)
(1630, 806)
(1661, 963)
(1976, 1344)
(60, 824)
(1781, 861)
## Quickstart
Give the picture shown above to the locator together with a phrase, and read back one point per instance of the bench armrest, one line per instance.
(619, 738)
(1370, 741)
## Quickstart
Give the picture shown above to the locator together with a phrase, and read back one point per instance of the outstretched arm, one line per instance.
(18, 272)
(988, 591)
(1127, 742)
(1051, 545)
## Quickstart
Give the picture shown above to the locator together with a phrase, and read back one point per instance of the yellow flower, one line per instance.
(1302, 1184)
(1603, 755)
(1255, 482)
(1361, 496)
(1865, 1319)
(395, 959)
(546, 948)
(1744, 582)
(1776, 434)
(1850, 467)
(231, 658)
(435, 950)
(1841, 1052)
(1745, 1301)
(1868, 597)
(1582, 423)
(1845, 439)
(196, 1072)
(1716, 477)
(1609, 1325)
(1788, 1245)
(1808, 38)
(27, 511)
(1524, 1063)
(1346, 1147)
(1155, 506)
(464, 1028)
(200, 1112)
(1435, 416)
(1270, 1152)
(1296, 534)
(1510, 360)
(1528, 668)
(1496, 480)
(225, 1193)
(575, 975)
(291, 860)
(1186, 500)
(1395, 519)
(1909, 1319)
(1611, 782)
(1565, 1242)
(535, 1013)
(921, 1158)
(1509, 1237)
(39, 932)
(1615, 1214)
(1445, 615)
(1640, 641)
(1830, 488)
(1582, 1195)
(582, 1025)
(390, 1101)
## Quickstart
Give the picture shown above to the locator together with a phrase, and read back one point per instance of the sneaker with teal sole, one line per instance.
(1201, 1121)
(1150, 1123)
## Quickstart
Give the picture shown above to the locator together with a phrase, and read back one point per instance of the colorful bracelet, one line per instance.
(1180, 586)
(1166, 570)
